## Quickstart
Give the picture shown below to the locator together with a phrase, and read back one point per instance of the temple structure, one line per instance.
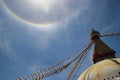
(101, 50)
(106, 66)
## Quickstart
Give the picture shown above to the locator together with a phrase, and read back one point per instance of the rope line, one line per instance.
(79, 57)
(47, 71)
(113, 34)
(59, 67)
(80, 63)
(115, 61)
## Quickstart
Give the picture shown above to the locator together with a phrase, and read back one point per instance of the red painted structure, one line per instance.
(101, 50)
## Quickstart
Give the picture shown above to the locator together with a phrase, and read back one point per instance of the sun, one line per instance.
(44, 5)
(44, 12)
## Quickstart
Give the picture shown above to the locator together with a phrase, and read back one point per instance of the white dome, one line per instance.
(108, 69)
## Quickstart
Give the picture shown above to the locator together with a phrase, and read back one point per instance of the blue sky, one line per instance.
(31, 40)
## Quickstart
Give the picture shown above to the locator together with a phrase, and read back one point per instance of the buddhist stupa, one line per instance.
(106, 66)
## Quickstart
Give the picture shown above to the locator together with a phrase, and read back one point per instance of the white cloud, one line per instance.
(6, 49)
(6, 46)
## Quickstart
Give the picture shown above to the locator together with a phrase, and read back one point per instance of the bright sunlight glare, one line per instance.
(44, 5)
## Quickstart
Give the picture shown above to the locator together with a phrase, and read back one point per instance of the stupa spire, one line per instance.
(101, 50)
